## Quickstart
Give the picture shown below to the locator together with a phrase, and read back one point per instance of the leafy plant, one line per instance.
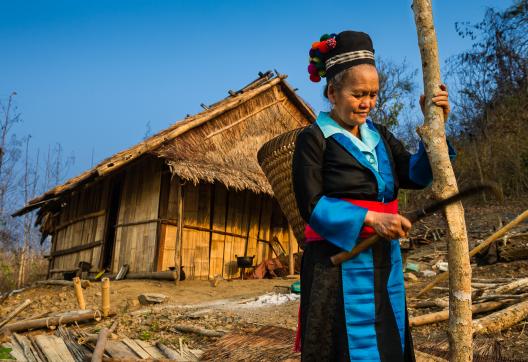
(145, 335)
(5, 353)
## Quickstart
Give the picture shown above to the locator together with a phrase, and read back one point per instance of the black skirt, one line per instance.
(323, 324)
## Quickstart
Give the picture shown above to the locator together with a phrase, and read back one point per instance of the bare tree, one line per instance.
(432, 133)
(396, 94)
(29, 182)
(492, 82)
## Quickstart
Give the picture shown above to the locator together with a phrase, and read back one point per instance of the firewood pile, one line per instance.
(507, 297)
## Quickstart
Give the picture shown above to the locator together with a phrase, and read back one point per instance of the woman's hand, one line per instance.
(388, 226)
(441, 99)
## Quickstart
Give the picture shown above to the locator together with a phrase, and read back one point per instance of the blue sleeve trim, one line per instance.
(338, 221)
(419, 167)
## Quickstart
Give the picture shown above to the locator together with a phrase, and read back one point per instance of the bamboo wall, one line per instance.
(137, 225)
(80, 228)
(218, 225)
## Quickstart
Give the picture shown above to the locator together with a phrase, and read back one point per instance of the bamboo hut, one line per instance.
(191, 195)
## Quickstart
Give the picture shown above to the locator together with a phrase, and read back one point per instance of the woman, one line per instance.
(346, 174)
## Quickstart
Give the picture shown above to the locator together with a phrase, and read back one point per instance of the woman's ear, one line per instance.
(330, 92)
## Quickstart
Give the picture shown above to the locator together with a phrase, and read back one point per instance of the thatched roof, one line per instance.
(218, 144)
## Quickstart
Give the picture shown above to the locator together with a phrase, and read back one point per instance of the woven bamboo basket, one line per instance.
(275, 159)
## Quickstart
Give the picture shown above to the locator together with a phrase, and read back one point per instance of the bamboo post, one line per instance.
(290, 251)
(79, 293)
(496, 235)
(105, 296)
(179, 233)
(432, 133)
(15, 312)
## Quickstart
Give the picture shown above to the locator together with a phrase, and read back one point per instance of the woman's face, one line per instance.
(356, 96)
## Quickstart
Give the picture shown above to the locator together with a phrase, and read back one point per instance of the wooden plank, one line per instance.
(161, 248)
(118, 350)
(152, 230)
(136, 348)
(16, 351)
(179, 235)
(144, 247)
(201, 260)
(190, 215)
(152, 350)
(263, 249)
(236, 224)
(173, 197)
(127, 251)
(162, 214)
(251, 247)
(53, 348)
(216, 261)
(75, 249)
(169, 244)
(28, 349)
(136, 214)
(92, 215)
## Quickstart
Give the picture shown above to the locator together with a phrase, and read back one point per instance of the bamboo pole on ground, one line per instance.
(79, 293)
(432, 133)
(168, 352)
(105, 296)
(15, 312)
(496, 235)
(501, 319)
(51, 321)
(197, 330)
(444, 314)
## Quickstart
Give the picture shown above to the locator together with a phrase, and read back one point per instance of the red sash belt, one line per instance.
(366, 231)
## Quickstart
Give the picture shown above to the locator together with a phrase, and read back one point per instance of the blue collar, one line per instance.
(369, 138)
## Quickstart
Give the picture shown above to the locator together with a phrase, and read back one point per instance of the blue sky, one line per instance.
(90, 75)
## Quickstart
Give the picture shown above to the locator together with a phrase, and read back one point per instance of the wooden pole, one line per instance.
(290, 251)
(168, 352)
(432, 133)
(496, 235)
(52, 321)
(105, 296)
(79, 293)
(161, 275)
(98, 352)
(179, 233)
(65, 283)
(444, 314)
(197, 330)
(501, 319)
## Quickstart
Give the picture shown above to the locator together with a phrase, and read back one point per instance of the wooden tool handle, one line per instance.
(362, 245)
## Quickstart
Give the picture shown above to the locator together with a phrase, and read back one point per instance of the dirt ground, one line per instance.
(230, 306)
